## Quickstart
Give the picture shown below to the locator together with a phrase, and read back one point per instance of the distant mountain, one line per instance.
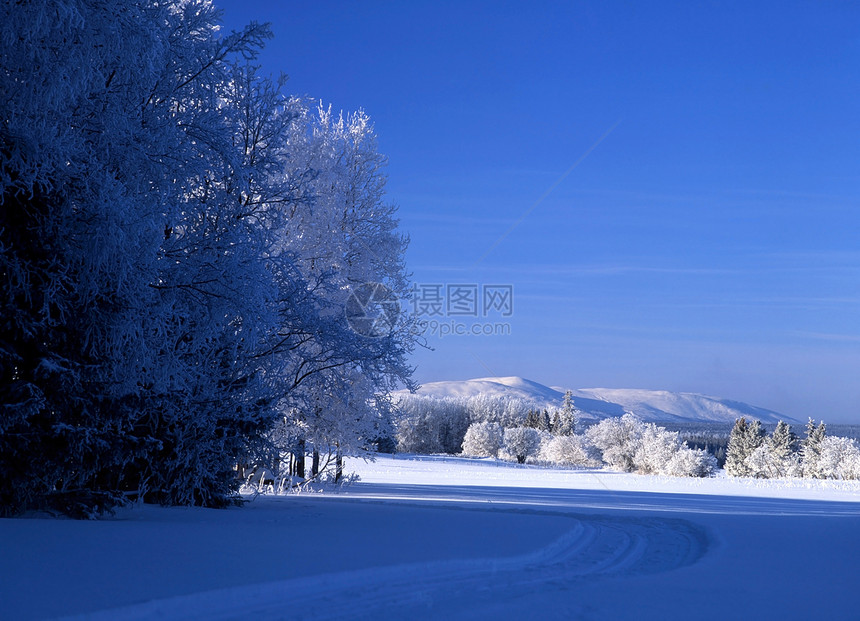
(494, 386)
(597, 403)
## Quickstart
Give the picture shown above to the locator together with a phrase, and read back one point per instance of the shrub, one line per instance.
(483, 440)
(521, 443)
(569, 450)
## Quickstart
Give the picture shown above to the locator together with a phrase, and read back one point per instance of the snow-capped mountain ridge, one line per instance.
(597, 403)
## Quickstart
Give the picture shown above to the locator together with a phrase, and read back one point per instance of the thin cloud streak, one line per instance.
(580, 270)
(549, 191)
(832, 338)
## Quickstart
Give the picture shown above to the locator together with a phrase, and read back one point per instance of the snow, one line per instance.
(455, 538)
(597, 403)
(493, 386)
(447, 472)
(662, 405)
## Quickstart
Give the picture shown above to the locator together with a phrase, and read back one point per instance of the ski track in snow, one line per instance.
(595, 546)
(614, 534)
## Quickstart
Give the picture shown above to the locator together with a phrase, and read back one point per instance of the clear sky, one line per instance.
(670, 189)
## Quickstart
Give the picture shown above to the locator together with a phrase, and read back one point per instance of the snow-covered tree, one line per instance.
(618, 440)
(810, 450)
(341, 238)
(569, 450)
(538, 419)
(178, 242)
(756, 435)
(687, 462)
(507, 412)
(777, 456)
(656, 448)
(839, 458)
(430, 425)
(736, 454)
(483, 440)
(762, 463)
(521, 443)
(783, 441)
(564, 420)
(631, 445)
(110, 116)
(745, 438)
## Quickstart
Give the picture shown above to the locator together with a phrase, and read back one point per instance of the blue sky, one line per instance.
(671, 189)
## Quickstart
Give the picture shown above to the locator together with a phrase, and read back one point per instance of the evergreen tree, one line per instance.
(810, 452)
(737, 453)
(756, 436)
(783, 446)
(538, 419)
(555, 424)
(545, 423)
(567, 417)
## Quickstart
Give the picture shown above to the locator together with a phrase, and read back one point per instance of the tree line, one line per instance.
(517, 430)
(753, 453)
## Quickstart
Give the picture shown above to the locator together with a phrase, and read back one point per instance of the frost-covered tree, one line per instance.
(170, 289)
(783, 442)
(342, 412)
(822, 456)
(483, 440)
(655, 449)
(618, 440)
(521, 443)
(110, 118)
(564, 420)
(507, 412)
(839, 458)
(762, 463)
(745, 438)
(778, 456)
(538, 419)
(810, 450)
(430, 425)
(341, 237)
(687, 462)
(569, 450)
(631, 445)
(756, 435)
(765, 457)
(736, 454)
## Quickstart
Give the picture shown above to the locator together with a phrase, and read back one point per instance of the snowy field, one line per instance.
(452, 538)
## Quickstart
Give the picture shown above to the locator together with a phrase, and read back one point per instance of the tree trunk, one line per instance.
(300, 459)
(338, 465)
(315, 463)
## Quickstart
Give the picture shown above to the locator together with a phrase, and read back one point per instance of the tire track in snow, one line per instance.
(595, 546)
